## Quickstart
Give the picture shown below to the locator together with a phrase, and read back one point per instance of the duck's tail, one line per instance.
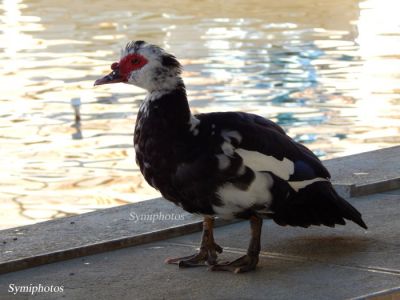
(316, 204)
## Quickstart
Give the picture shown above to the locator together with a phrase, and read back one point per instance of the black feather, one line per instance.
(169, 61)
(134, 46)
(316, 204)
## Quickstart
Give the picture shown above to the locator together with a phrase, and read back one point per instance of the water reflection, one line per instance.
(326, 71)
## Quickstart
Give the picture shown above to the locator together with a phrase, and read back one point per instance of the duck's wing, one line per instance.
(263, 143)
(231, 156)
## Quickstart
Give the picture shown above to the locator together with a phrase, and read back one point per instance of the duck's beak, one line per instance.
(113, 77)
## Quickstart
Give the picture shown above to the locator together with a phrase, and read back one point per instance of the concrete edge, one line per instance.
(381, 295)
(108, 245)
(352, 190)
(344, 190)
(375, 187)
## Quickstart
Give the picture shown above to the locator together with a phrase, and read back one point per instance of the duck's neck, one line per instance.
(168, 111)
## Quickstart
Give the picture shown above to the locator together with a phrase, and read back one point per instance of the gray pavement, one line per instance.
(316, 263)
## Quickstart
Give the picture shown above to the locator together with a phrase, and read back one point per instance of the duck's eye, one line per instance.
(135, 61)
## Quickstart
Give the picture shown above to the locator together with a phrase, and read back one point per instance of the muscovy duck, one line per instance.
(226, 164)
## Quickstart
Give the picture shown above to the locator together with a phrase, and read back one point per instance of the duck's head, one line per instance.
(146, 66)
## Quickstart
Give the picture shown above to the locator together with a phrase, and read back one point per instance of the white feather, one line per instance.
(194, 123)
(228, 135)
(227, 148)
(261, 162)
(298, 185)
(223, 161)
(235, 200)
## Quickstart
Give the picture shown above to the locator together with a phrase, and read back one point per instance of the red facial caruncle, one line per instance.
(121, 71)
(130, 63)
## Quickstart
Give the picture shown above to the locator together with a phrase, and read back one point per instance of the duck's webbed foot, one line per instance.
(208, 250)
(249, 261)
(206, 256)
(244, 263)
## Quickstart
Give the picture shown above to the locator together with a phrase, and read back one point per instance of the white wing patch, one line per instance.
(281, 168)
(223, 161)
(298, 185)
(261, 162)
(227, 148)
(228, 135)
(236, 200)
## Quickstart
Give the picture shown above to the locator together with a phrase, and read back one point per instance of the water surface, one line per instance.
(327, 71)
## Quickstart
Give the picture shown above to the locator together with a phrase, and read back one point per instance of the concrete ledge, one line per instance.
(366, 173)
(94, 232)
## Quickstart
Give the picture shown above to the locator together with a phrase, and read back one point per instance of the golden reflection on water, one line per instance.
(328, 71)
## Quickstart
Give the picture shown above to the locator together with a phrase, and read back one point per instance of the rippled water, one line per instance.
(327, 71)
